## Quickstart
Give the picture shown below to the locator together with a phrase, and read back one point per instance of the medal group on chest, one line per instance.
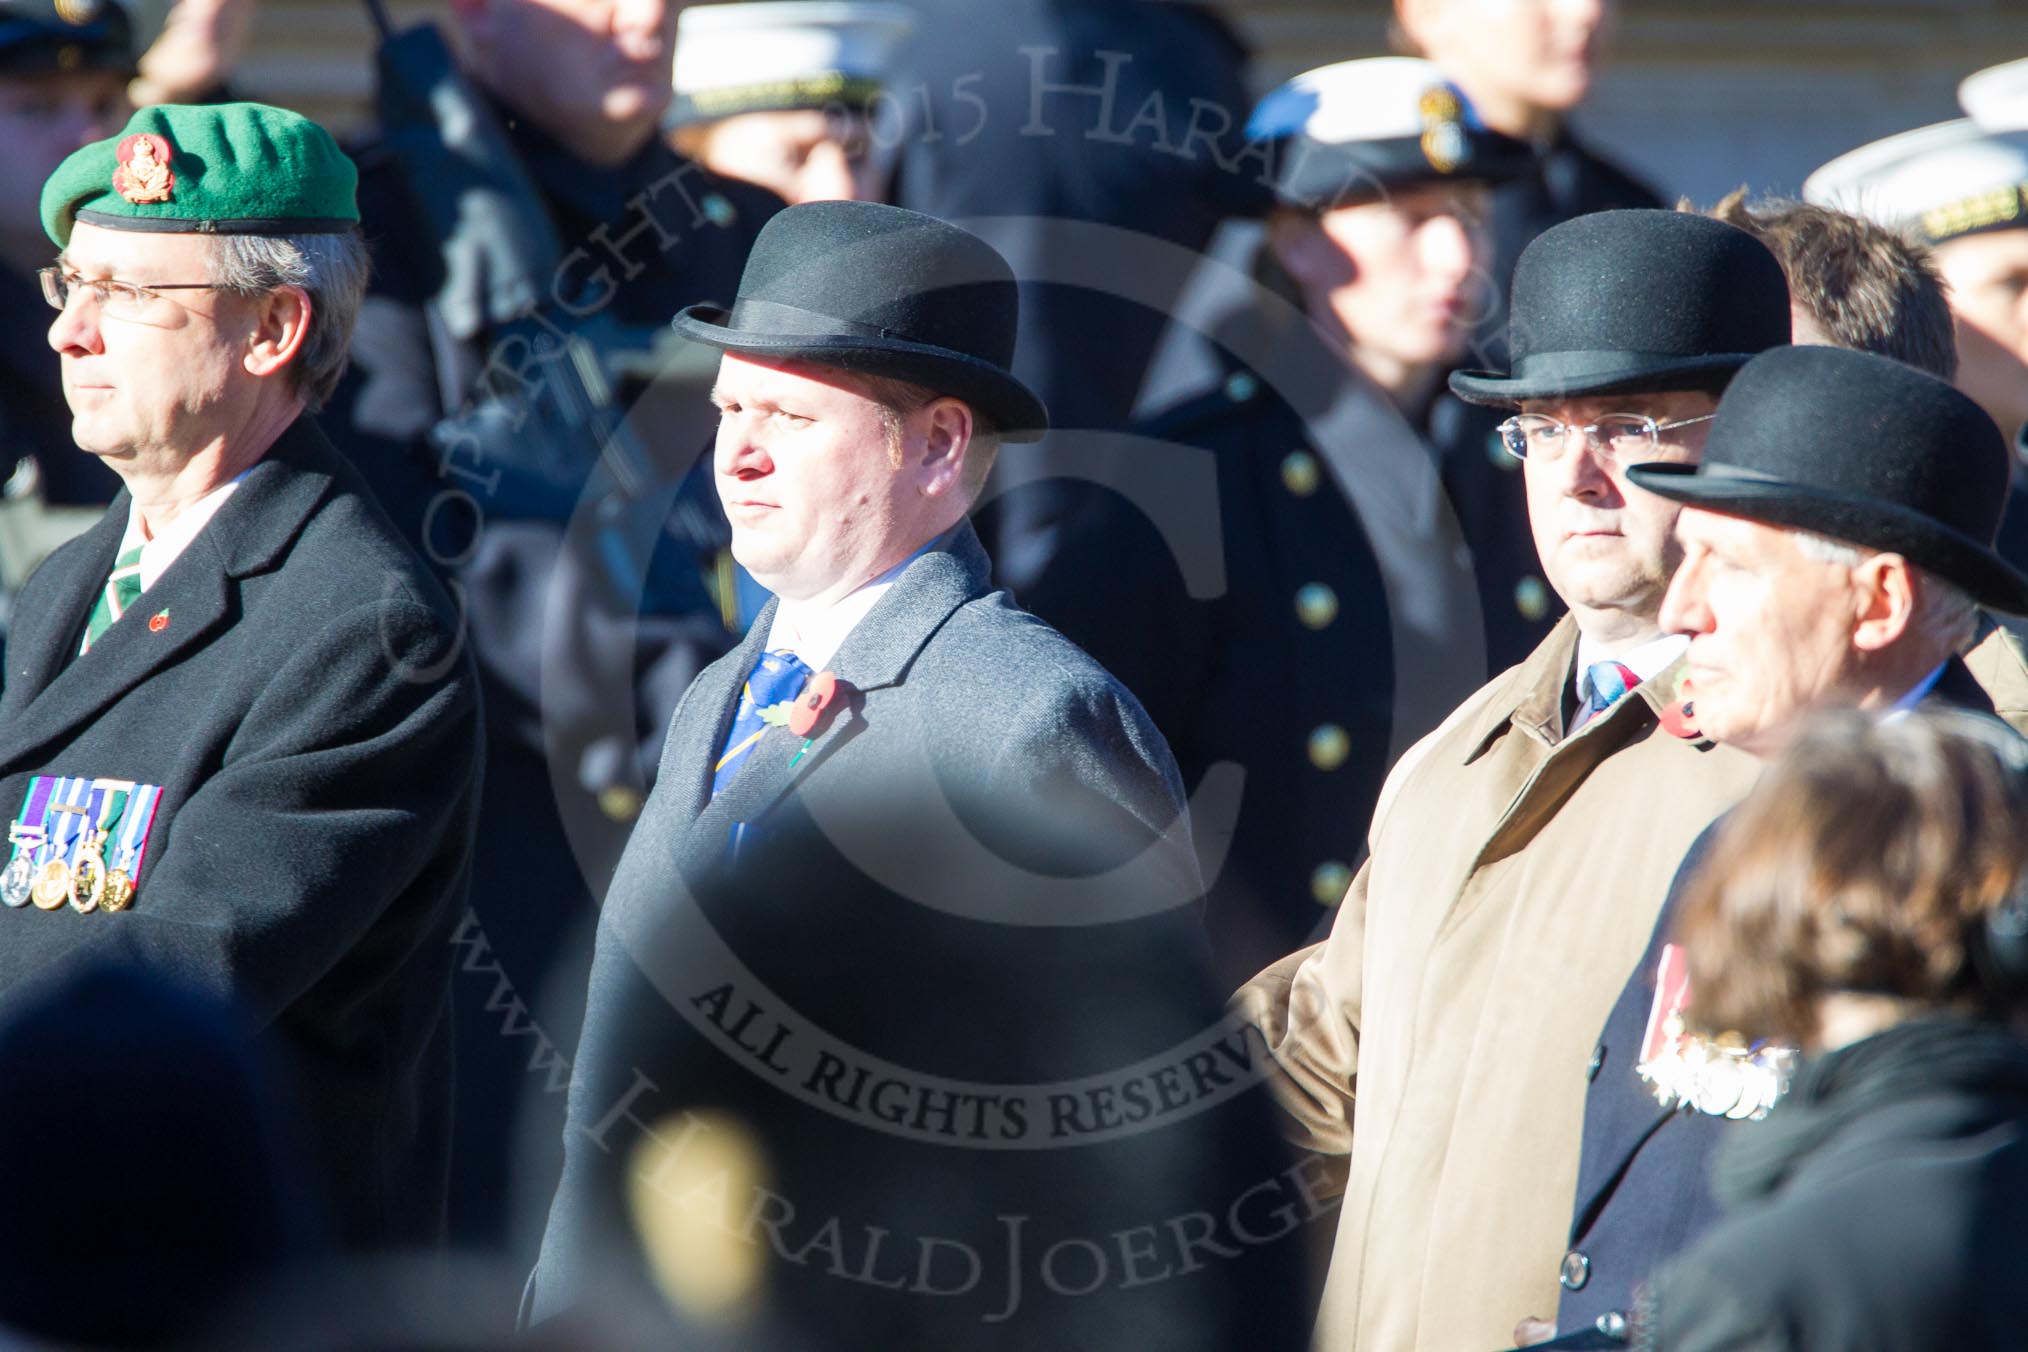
(78, 841)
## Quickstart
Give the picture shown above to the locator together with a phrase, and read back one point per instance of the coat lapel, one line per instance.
(700, 728)
(875, 656)
(250, 532)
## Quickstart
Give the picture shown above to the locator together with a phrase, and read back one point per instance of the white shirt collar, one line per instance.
(1646, 661)
(157, 554)
(815, 633)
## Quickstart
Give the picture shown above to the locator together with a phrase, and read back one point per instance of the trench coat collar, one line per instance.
(1532, 698)
(190, 601)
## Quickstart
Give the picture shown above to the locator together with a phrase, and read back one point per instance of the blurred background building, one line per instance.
(1699, 95)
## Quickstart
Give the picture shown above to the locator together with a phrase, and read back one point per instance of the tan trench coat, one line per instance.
(1514, 880)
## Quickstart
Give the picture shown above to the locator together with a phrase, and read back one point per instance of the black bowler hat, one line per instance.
(1863, 449)
(42, 36)
(1626, 302)
(883, 291)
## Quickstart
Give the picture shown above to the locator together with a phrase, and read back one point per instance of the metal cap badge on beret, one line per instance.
(1623, 302)
(772, 55)
(224, 168)
(1349, 132)
(41, 36)
(886, 291)
(1951, 179)
(1863, 449)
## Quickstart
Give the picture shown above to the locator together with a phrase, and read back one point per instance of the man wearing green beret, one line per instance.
(239, 739)
(63, 84)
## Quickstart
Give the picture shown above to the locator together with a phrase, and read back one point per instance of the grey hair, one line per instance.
(1945, 614)
(331, 268)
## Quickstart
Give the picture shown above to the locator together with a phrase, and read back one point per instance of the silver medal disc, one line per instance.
(17, 879)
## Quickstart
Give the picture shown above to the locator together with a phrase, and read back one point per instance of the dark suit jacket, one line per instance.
(977, 873)
(1643, 1185)
(311, 719)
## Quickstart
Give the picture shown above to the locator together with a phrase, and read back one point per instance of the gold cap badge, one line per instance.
(142, 173)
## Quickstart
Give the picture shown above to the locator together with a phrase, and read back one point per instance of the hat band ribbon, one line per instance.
(751, 315)
(1590, 364)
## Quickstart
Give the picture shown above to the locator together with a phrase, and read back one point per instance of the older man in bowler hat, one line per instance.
(1838, 539)
(906, 828)
(1520, 852)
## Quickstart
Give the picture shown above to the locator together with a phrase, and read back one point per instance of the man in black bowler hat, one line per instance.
(1838, 541)
(63, 84)
(1520, 852)
(905, 832)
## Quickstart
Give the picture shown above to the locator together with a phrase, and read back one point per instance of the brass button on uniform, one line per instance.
(1576, 1270)
(1241, 387)
(1612, 1324)
(1329, 745)
(1531, 598)
(1299, 473)
(1329, 882)
(1316, 605)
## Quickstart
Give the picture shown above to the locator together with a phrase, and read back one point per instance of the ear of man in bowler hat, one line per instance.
(899, 791)
(1837, 539)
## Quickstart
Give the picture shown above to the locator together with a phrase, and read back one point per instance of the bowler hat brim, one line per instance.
(1014, 409)
(1573, 375)
(1922, 540)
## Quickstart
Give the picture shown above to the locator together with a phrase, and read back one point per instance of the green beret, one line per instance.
(215, 169)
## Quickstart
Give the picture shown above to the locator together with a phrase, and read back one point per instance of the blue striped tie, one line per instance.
(775, 680)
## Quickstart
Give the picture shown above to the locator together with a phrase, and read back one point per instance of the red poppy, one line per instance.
(1680, 720)
(158, 621)
(809, 709)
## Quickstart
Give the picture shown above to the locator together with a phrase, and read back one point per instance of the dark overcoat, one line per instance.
(1643, 1187)
(295, 685)
(1878, 1209)
(974, 874)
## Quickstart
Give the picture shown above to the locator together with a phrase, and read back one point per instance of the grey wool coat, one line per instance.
(975, 882)
(295, 686)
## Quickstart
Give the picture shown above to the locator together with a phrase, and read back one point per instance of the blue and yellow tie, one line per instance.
(122, 589)
(776, 679)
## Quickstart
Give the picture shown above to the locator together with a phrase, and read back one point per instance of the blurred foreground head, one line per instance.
(1854, 888)
(144, 1171)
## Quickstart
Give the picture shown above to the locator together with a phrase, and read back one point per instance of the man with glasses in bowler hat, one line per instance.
(1838, 542)
(1519, 853)
(916, 829)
